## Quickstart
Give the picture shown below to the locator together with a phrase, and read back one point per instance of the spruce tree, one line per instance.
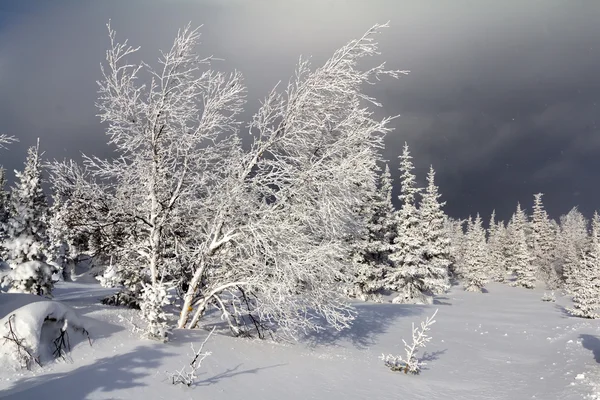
(27, 240)
(542, 243)
(520, 260)
(571, 243)
(436, 252)
(4, 213)
(587, 288)
(407, 275)
(372, 249)
(58, 249)
(495, 248)
(475, 259)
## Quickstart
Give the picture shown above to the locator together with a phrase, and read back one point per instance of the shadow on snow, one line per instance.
(105, 375)
(371, 321)
(591, 343)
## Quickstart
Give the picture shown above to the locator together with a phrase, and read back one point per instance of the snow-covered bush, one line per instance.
(36, 331)
(409, 363)
(550, 297)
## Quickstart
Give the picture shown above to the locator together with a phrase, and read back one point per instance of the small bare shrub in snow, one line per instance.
(410, 362)
(187, 375)
(549, 297)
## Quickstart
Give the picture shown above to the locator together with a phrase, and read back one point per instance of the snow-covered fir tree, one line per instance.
(543, 240)
(586, 290)
(474, 266)
(27, 240)
(436, 251)
(572, 241)
(4, 213)
(520, 259)
(371, 257)
(454, 229)
(58, 234)
(408, 275)
(495, 249)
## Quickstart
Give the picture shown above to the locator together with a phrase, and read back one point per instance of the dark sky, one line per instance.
(502, 97)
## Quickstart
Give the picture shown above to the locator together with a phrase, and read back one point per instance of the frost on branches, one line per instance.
(257, 232)
(474, 266)
(410, 363)
(27, 238)
(371, 256)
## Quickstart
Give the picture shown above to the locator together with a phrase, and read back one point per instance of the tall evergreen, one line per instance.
(542, 243)
(407, 275)
(495, 249)
(520, 259)
(4, 213)
(371, 257)
(475, 259)
(27, 240)
(436, 252)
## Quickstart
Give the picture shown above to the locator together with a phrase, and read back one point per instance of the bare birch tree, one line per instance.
(256, 233)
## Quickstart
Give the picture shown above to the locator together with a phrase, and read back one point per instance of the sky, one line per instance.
(502, 98)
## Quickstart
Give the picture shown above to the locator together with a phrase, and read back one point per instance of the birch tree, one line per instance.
(257, 233)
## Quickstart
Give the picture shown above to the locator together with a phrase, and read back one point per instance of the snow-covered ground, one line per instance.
(505, 344)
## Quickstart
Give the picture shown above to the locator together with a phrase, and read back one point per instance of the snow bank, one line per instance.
(30, 327)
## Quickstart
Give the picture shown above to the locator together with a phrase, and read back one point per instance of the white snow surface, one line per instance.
(504, 344)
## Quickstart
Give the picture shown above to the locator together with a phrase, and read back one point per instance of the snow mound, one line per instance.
(33, 329)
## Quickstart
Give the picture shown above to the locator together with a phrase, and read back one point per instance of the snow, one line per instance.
(505, 344)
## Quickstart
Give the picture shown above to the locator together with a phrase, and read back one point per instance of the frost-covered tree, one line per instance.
(586, 290)
(258, 233)
(475, 260)
(520, 258)
(543, 240)
(371, 256)
(436, 251)
(27, 239)
(408, 275)
(4, 213)
(571, 243)
(58, 237)
(455, 232)
(495, 249)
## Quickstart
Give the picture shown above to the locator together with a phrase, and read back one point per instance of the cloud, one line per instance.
(500, 98)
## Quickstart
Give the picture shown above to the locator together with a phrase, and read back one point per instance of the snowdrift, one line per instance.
(34, 330)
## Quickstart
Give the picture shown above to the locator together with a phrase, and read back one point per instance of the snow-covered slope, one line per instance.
(505, 344)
